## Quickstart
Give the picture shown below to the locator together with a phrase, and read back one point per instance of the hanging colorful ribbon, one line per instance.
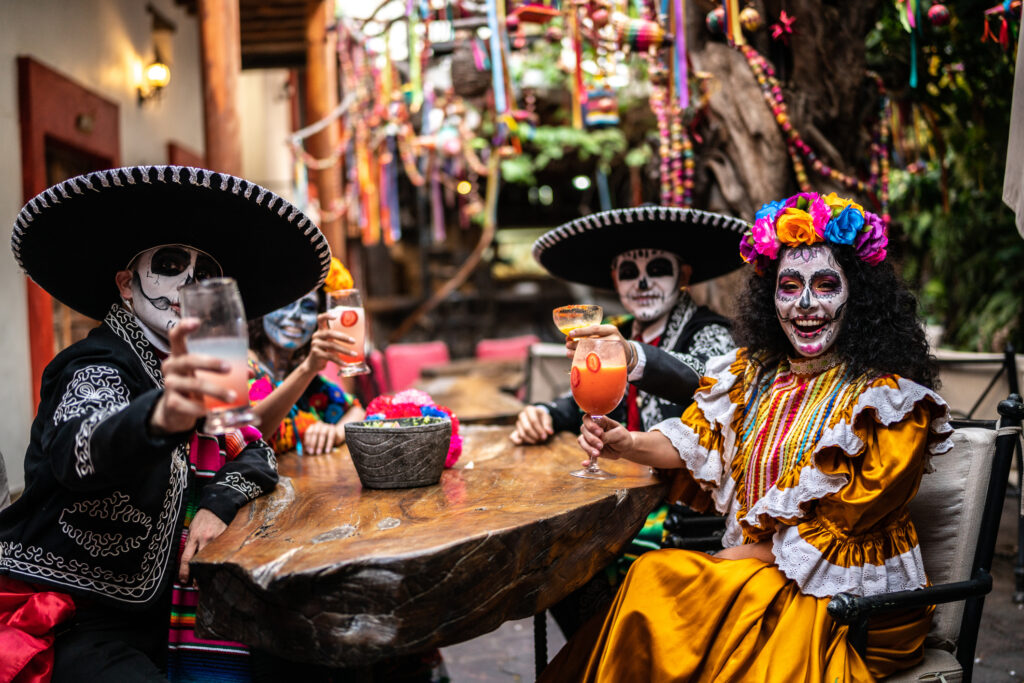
(733, 28)
(679, 47)
(414, 94)
(497, 71)
(579, 96)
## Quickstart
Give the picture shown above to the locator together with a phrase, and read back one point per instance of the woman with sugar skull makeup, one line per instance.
(122, 487)
(812, 440)
(289, 348)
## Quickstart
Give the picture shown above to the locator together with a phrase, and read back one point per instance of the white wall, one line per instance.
(266, 122)
(101, 44)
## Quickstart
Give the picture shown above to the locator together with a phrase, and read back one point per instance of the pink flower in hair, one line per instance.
(821, 214)
(765, 241)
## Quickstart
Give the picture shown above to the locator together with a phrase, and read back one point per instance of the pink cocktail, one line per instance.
(232, 351)
(346, 315)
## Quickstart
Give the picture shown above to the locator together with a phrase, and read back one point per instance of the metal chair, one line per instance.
(1005, 366)
(956, 513)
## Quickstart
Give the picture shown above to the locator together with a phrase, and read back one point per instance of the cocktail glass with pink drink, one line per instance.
(223, 334)
(345, 314)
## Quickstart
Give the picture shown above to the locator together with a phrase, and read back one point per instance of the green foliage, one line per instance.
(545, 144)
(958, 240)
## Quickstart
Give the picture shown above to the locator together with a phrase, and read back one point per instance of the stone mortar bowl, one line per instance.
(399, 453)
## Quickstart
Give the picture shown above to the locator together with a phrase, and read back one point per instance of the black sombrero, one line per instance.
(72, 238)
(582, 250)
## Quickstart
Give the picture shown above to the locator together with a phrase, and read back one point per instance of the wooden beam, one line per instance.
(219, 29)
(321, 99)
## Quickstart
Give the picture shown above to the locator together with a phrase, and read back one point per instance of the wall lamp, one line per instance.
(155, 77)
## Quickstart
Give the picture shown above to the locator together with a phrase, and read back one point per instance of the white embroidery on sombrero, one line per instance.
(130, 177)
(175, 174)
(309, 230)
(224, 180)
(248, 191)
(193, 176)
(259, 197)
(302, 222)
(115, 178)
(160, 173)
(237, 186)
(102, 177)
(52, 196)
(63, 191)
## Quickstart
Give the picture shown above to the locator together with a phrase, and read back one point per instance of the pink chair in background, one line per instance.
(405, 360)
(376, 360)
(509, 348)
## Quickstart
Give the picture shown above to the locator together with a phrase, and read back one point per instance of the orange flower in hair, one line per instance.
(338, 277)
(795, 226)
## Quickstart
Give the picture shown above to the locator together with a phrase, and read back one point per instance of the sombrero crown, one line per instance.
(582, 250)
(73, 237)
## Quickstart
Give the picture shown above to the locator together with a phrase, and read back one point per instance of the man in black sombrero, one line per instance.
(648, 255)
(109, 468)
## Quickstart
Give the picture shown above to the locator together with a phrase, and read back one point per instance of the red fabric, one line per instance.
(27, 619)
(633, 422)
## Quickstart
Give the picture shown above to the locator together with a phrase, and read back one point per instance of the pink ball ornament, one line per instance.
(938, 14)
(750, 19)
(715, 21)
(600, 17)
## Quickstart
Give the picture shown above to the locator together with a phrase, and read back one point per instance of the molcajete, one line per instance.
(399, 453)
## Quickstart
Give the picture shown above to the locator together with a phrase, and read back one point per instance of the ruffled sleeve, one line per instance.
(705, 435)
(859, 537)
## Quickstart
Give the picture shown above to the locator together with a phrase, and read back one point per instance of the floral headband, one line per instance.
(809, 218)
(338, 277)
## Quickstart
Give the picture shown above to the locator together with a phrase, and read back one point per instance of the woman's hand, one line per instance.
(181, 405)
(320, 437)
(326, 345)
(532, 426)
(205, 527)
(607, 440)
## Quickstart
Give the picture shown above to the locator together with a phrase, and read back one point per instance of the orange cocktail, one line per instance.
(597, 392)
(598, 382)
(568, 318)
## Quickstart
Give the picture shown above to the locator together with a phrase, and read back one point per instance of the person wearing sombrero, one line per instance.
(121, 489)
(648, 255)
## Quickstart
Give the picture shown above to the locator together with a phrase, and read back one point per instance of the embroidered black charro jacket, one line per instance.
(672, 370)
(103, 507)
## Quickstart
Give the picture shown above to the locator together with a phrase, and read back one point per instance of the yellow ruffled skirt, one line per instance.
(686, 616)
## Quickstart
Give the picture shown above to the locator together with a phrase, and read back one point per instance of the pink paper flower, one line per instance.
(765, 241)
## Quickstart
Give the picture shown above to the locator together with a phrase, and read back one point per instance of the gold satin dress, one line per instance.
(823, 466)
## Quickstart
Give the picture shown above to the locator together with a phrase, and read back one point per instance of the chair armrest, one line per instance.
(849, 609)
(854, 610)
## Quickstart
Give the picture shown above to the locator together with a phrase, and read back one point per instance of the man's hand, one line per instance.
(181, 405)
(319, 437)
(327, 345)
(205, 527)
(600, 332)
(607, 440)
(532, 426)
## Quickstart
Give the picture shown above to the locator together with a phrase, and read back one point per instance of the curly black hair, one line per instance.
(881, 330)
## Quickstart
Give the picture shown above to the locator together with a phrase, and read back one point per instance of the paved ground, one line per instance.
(506, 655)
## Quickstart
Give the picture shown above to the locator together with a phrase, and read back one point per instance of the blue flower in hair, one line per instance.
(844, 228)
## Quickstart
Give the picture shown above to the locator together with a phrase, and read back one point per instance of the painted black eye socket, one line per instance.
(206, 267)
(660, 267)
(308, 306)
(170, 261)
(628, 270)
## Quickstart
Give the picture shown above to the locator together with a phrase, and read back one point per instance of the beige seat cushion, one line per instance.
(938, 665)
(947, 513)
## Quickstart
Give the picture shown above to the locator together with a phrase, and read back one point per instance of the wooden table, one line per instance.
(477, 391)
(323, 571)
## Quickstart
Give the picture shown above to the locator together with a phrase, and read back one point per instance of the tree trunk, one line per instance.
(743, 160)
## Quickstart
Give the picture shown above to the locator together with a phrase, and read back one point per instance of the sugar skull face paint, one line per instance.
(647, 281)
(291, 326)
(158, 274)
(810, 297)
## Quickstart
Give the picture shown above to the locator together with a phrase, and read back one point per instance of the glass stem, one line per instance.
(592, 465)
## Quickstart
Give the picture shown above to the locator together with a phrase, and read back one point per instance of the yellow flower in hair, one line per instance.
(795, 226)
(835, 202)
(338, 277)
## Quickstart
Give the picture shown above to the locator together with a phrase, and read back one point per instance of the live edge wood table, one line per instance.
(324, 571)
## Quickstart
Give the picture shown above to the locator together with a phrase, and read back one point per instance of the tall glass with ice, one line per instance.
(345, 314)
(223, 334)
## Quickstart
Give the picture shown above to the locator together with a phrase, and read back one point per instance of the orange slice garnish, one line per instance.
(593, 362)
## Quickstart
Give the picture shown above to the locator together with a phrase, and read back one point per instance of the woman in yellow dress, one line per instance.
(811, 439)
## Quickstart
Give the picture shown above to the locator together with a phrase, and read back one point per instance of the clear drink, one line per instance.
(346, 315)
(222, 334)
(233, 351)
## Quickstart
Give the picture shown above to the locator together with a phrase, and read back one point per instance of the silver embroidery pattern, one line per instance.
(83, 439)
(115, 508)
(128, 588)
(249, 489)
(92, 388)
(124, 326)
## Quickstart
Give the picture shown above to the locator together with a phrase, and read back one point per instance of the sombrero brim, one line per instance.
(582, 250)
(72, 238)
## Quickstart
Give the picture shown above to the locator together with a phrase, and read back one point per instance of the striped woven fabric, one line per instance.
(191, 658)
(784, 421)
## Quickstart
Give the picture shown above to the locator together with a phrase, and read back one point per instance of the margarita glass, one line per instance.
(598, 381)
